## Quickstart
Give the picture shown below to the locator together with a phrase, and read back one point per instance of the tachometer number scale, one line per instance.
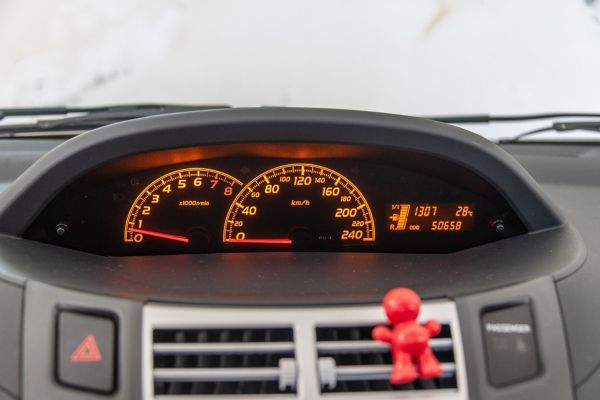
(181, 209)
(305, 206)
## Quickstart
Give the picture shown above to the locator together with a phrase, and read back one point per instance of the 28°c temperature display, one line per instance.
(300, 206)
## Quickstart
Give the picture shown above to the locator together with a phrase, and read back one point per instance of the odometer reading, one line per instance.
(304, 206)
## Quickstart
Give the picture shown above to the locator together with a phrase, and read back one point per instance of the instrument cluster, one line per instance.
(276, 197)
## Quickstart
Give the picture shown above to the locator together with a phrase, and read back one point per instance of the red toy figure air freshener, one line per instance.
(409, 341)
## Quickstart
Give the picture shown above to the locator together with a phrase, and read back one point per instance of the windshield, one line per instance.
(416, 58)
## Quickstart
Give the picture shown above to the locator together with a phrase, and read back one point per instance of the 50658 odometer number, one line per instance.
(306, 206)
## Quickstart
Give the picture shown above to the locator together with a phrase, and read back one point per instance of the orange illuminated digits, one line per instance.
(176, 206)
(302, 205)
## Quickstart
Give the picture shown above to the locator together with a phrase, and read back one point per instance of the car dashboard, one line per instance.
(245, 252)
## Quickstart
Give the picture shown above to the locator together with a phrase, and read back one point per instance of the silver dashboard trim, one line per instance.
(303, 320)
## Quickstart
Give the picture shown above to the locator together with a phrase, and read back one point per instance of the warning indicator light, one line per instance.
(87, 351)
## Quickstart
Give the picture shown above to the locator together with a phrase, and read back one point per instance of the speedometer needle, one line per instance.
(261, 241)
(161, 235)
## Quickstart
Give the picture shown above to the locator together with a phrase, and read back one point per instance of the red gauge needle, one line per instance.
(160, 235)
(261, 241)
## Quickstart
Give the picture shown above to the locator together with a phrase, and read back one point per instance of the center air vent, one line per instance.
(287, 353)
(350, 361)
(223, 361)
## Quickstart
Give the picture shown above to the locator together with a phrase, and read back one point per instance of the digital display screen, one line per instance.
(427, 217)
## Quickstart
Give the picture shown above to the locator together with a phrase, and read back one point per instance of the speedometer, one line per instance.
(302, 206)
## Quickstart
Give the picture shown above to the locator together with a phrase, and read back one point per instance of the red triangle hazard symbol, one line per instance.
(87, 351)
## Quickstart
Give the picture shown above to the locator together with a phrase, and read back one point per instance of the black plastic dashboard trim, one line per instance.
(26, 197)
(552, 247)
(295, 278)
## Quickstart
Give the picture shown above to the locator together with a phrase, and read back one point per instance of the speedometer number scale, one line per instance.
(304, 206)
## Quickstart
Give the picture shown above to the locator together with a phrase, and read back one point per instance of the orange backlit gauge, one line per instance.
(299, 206)
(441, 217)
(179, 210)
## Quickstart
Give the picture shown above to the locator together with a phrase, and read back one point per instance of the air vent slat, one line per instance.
(215, 374)
(378, 372)
(222, 348)
(368, 346)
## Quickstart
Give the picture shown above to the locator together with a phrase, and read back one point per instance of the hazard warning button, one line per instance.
(85, 351)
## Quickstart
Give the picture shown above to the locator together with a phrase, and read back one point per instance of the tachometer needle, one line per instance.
(161, 235)
(261, 241)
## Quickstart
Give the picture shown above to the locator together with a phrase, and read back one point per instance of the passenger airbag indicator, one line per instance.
(510, 344)
(427, 217)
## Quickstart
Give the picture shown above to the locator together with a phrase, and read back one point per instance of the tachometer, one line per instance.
(303, 206)
(181, 211)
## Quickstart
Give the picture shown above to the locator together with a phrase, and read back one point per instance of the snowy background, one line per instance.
(419, 57)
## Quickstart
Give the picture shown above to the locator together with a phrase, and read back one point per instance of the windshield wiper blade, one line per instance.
(90, 118)
(40, 111)
(559, 127)
(486, 118)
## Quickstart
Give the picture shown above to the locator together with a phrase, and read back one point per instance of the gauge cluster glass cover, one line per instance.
(276, 197)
